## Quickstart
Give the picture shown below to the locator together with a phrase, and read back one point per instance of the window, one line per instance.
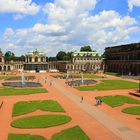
(30, 59)
(42, 59)
(36, 59)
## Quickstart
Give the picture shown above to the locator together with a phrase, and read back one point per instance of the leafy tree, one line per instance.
(69, 54)
(60, 55)
(9, 56)
(86, 49)
(52, 59)
(19, 58)
(65, 58)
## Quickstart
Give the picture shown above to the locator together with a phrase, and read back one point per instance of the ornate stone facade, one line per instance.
(85, 61)
(35, 62)
(124, 59)
(9, 66)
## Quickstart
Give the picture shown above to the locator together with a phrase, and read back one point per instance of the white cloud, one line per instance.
(132, 3)
(8, 35)
(18, 16)
(70, 26)
(19, 6)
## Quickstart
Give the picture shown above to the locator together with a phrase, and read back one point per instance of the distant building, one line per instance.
(123, 59)
(85, 61)
(58, 65)
(35, 62)
(9, 66)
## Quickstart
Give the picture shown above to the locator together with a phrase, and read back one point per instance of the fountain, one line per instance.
(67, 75)
(22, 83)
(22, 78)
(81, 81)
(82, 78)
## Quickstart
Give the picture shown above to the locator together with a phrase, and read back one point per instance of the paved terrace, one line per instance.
(118, 128)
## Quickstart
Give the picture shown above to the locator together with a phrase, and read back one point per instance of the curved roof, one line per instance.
(36, 53)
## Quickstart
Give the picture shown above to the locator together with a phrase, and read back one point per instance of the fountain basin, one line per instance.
(79, 82)
(21, 84)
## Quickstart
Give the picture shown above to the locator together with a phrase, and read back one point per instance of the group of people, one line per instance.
(98, 101)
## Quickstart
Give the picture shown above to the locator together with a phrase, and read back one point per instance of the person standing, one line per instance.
(82, 99)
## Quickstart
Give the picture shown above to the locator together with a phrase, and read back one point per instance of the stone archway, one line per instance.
(0, 68)
(9, 68)
(4, 68)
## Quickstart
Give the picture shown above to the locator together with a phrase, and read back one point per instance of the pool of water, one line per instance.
(21, 84)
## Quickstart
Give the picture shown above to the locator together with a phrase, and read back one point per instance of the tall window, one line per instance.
(0, 59)
(36, 59)
(42, 59)
(30, 59)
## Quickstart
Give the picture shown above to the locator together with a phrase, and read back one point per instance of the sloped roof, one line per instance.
(85, 53)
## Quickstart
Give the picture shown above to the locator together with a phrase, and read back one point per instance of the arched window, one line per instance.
(0, 68)
(4, 68)
(9, 68)
(30, 59)
(42, 59)
(36, 59)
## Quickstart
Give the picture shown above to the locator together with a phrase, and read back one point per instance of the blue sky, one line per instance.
(54, 25)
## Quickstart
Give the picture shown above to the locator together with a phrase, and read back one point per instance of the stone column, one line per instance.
(33, 59)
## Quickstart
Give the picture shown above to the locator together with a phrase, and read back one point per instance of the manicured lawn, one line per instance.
(110, 85)
(16, 77)
(25, 137)
(5, 91)
(135, 110)
(41, 121)
(74, 133)
(21, 108)
(118, 100)
(112, 73)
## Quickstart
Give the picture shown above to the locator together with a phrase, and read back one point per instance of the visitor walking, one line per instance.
(50, 83)
(45, 79)
(98, 102)
(82, 99)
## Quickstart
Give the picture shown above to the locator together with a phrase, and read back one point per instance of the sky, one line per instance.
(67, 25)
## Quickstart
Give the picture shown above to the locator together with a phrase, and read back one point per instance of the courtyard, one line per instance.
(55, 111)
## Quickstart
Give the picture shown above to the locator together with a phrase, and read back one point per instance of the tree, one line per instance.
(9, 56)
(69, 54)
(86, 49)
(52, 59)
(20, 58)
(60, 55)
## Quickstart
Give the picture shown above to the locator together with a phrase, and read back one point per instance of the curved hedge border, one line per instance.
(41, 121)
(25, 107)
(73, 133)
(25, 137)
(135, 110)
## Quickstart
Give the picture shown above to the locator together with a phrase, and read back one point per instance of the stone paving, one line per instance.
(118, 128)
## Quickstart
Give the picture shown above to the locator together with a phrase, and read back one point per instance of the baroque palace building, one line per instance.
(89, 62)
(36, 62)
(85, 62)
(123, 59)
(9, 66)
